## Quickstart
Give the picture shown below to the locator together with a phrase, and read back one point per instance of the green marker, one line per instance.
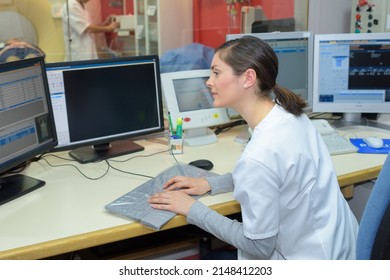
(171, 132)
(179, 127)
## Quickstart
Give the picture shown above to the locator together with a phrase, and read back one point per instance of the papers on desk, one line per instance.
(365, 149)
(134, 204)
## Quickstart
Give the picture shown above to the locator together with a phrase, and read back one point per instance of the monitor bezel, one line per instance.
(126, 135)
(46, 146)
(195, 119)
(327, 107)
(290, 36)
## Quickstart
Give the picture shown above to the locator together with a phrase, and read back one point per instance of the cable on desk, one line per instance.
(323, 116)
(128, 172)
(74, 166)
(137, 156)
(226, 127)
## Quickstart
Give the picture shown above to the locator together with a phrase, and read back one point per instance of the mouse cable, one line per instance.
(137, 156)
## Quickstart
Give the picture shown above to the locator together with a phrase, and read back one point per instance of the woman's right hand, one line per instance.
(188, 185)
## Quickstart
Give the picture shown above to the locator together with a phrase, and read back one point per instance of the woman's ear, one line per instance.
(249, 78)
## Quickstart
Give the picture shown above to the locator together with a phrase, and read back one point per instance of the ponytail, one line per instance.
(290, 101)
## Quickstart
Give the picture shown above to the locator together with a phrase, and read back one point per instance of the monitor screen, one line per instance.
(26, 123)
(295, 55)
(352, 74)
(188, 98)
(100, 104)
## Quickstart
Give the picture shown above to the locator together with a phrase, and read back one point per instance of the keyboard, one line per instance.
(335, 142)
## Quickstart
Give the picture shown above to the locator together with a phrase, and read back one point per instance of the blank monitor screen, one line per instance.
(295, 55)
(98, 102)
(26, 123)
(352, 74)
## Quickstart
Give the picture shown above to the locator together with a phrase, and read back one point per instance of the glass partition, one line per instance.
(143, 26)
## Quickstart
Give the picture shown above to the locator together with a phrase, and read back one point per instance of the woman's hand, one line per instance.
(188, 185)
(175, 201)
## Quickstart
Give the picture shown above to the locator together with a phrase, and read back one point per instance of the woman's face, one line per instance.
(225, 86)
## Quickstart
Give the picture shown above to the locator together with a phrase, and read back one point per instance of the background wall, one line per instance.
(49, 30)
(330, 16)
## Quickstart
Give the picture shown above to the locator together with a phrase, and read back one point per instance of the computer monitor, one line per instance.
(295, 55)
(99, 104)
(274, 25)
(187, 97)
(26, 124)
(352, 74)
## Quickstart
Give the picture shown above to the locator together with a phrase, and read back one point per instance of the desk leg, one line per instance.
(347, 191)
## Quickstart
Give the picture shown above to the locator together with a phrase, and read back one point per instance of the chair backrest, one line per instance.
(374, 232)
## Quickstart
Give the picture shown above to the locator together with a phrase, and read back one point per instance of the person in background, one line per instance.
(78, 31)
(285, 182)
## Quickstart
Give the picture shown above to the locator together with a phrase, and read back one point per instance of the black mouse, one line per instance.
(203, 164)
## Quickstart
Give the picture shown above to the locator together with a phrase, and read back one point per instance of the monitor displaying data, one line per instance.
(100, 104)
(26, 124)
(352, 74)
(295, 55)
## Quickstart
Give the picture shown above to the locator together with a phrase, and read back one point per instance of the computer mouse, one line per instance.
(373, 142)
(203, 164)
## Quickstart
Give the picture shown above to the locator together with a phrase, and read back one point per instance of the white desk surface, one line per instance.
(70, 205)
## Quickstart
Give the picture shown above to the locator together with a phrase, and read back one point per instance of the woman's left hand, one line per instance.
(175, 201)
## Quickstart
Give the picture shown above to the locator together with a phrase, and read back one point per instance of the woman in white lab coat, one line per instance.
(291, 203)
(78, 31)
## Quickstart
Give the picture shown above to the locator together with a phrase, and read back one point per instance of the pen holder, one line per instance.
(175, 144)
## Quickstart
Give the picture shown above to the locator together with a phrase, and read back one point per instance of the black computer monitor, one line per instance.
(100, 104)
(26, 124)
(274, 25)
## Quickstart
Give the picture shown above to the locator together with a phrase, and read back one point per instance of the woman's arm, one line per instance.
(230, 231)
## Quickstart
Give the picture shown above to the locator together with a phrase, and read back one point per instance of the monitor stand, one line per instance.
(352, 117)
(199, 137)
(14, 186)
(105, 151)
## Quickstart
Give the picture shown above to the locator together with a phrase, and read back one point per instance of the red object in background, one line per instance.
(211, 22)
(108, 10)
(210, 17)
(362, 3)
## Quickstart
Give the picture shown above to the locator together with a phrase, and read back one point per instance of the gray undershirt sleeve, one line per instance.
(221, 183)
(230, 231)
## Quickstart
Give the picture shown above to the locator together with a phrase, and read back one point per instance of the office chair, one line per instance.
(373, 240)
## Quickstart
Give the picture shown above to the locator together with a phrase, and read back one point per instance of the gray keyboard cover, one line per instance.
(134, 204)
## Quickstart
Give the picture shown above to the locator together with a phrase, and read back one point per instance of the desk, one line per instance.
(68, 214)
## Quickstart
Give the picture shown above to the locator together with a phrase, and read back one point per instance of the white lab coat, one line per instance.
(79, 45)
(286, 185)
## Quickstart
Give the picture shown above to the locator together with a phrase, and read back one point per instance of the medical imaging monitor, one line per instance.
(352, 74)
(26, 124)
(188, 97)
(99, 105)
(295, 55)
